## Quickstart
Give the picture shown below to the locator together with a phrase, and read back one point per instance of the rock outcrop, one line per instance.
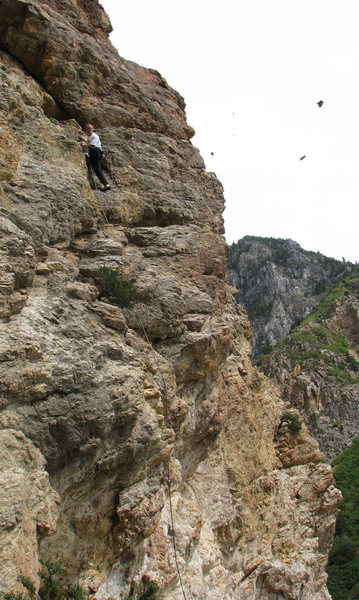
(279, 284)
(151, 420)
(317, 368)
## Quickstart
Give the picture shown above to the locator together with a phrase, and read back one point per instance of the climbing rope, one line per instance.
(167, 478)
(162, 385)
(168, 481)
(164, 397)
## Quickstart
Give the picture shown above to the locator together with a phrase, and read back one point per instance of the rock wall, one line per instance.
(317, 368)
(150, 420)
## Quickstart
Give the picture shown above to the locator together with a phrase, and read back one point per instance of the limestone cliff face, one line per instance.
(279, 284)
(150, 420)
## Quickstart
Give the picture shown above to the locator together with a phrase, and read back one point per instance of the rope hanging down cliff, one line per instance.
(166, 473)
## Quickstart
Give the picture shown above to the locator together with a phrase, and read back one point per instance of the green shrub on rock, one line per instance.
(51, 586)
(121, 292)
(293, 420)
(149, 592)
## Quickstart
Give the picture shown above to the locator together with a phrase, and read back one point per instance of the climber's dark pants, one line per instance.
(95, 162)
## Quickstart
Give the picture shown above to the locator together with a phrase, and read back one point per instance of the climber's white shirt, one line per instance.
(94, 140)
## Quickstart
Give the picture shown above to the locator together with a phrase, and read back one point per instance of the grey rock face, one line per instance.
(120, 401)
(279, 284)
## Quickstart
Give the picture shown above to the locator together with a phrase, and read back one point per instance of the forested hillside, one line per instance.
(343, 568)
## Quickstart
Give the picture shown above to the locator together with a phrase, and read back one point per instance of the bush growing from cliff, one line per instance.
(121, 292)
(51, 586)
(149, 593)
(293, 420)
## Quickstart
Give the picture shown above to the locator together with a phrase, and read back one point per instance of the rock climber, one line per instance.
(94, 153)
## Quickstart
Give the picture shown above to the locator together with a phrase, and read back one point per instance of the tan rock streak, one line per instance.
(28, 507)
(134, 407)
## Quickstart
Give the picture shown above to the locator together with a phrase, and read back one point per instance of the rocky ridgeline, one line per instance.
(317, 367)
(103, 408)
(279, 284)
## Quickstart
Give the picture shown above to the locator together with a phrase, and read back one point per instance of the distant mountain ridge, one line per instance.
(279, 284)
(316, 367)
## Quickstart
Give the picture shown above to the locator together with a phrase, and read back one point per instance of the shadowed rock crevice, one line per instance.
(50, 106)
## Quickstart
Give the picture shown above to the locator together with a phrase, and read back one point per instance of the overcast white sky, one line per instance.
(251, 73)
